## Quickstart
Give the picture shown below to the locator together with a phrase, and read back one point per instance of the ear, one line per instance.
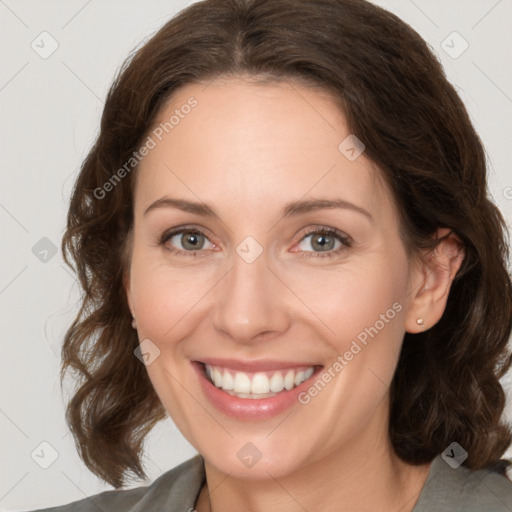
(432, 280)
(126, 286)
(126, 264)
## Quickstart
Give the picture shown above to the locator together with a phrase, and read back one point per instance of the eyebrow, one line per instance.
(292, 209)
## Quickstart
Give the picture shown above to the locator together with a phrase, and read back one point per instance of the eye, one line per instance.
(325, 242)
(185, 241)
(190, 242)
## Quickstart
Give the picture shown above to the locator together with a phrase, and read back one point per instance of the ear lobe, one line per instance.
(438, 271)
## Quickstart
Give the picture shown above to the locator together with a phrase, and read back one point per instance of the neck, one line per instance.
(361, 475)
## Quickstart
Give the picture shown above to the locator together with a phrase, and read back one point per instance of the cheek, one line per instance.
(162, 307)
(166, 299)
(356, 297)
(371, 330)
(163, 300)
(156, 297)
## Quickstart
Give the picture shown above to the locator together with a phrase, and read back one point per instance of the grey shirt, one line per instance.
(445, 490)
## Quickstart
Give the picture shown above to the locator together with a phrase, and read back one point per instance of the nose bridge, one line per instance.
(247, 302)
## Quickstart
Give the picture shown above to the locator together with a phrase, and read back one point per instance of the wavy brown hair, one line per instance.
(396, 98)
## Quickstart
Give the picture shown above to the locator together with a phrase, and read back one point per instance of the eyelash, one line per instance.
(344, 239)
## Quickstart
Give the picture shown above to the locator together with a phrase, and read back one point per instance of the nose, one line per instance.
(250, 302)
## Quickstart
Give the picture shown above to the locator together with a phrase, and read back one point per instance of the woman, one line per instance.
(286, 243)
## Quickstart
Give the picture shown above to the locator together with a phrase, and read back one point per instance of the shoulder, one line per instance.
(466, 490)
(177, 489)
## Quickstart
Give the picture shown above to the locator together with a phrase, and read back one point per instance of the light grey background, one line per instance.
(51, 109)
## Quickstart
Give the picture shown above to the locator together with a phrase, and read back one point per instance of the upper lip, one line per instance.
(255, 365)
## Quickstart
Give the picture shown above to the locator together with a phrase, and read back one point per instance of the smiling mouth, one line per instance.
(257, 385)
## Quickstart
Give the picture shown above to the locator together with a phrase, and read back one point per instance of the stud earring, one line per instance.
(420, 321)
(134, 323)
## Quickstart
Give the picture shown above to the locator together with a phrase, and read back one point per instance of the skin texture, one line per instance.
(248, 149)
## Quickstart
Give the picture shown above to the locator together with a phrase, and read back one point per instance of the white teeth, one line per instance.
(260, 384)
(217, 377)
(228, 382)
(257, 385)
(276, 382)
(299, 378)
(242, 383)
(289, 380)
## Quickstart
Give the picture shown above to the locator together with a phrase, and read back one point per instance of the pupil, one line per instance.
(191, 240)
(322, 241)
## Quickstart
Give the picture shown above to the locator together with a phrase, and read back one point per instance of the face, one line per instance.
(294, 275)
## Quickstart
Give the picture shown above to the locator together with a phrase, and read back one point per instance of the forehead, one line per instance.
(255, 144)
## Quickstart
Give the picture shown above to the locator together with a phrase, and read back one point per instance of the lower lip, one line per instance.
(250, 409)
